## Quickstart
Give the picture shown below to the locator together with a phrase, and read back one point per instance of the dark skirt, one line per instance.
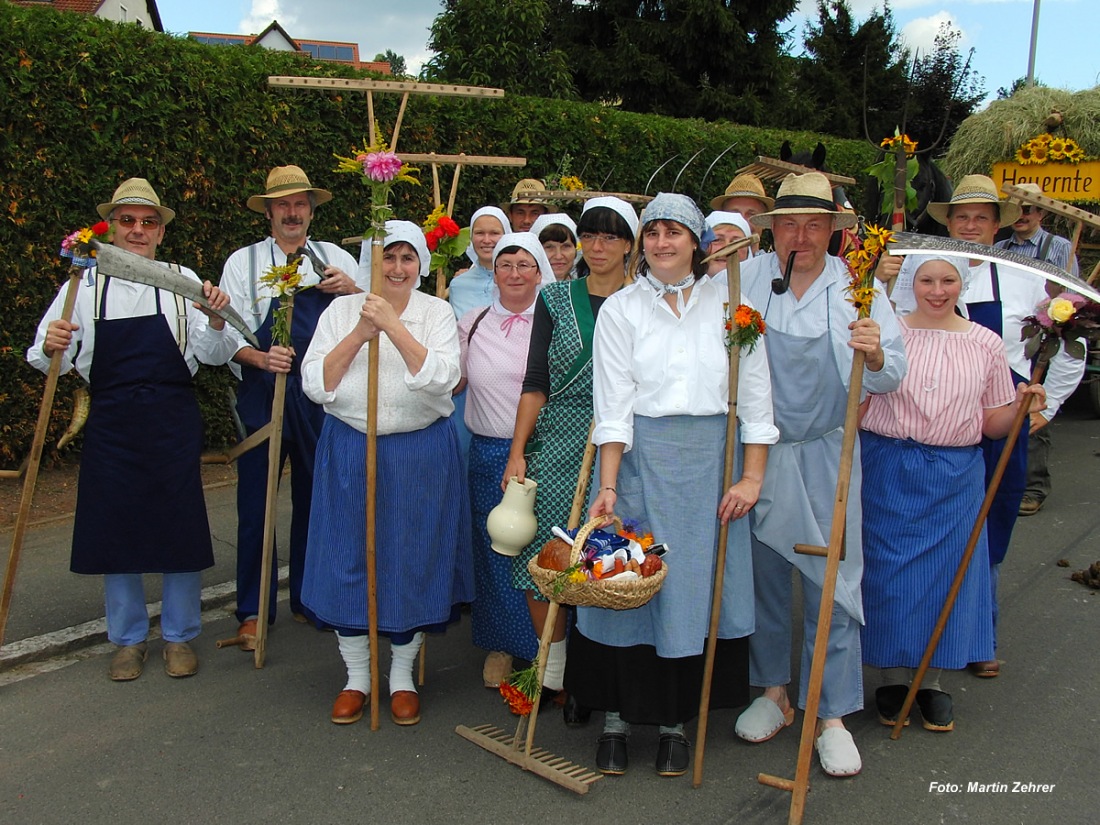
(648, 690)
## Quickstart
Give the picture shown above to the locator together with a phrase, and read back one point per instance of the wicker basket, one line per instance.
(622, 594)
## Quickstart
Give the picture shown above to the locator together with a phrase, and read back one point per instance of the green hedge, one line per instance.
(88, 103)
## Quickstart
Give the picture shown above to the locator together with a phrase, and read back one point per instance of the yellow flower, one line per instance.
(1039, 153)
(1060, 310)
(571, 183)
(1044, 139)
(1025, 154)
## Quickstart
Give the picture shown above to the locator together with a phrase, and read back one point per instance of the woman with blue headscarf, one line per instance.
(661, 381)
(424, 569)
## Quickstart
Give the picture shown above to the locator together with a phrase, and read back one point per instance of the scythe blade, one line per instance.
(118, 263)
(656, 172)
(912, 243)
(683, 168)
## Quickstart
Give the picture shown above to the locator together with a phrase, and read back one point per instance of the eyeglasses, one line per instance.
(523, 268)
(602, 237)
(1027, 210)
(128, 221)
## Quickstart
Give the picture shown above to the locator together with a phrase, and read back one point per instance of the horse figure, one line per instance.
(843, 240)
(931, 184)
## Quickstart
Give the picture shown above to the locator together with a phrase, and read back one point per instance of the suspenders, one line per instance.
(181, 308)
(254, 274)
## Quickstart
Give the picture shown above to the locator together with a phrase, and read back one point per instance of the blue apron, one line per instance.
(140, 507)
(796, 501)
(1006, 504)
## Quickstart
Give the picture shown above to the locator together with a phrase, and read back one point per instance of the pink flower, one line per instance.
(1043, 319)
(382, 167)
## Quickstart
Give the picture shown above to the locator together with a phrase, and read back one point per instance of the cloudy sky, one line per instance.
(999, 30)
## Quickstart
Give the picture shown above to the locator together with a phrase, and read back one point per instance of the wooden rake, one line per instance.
(733, 277)
(405, 88)
(833, 554)
(518, 748)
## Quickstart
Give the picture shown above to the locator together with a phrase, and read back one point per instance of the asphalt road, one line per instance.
(240, 745)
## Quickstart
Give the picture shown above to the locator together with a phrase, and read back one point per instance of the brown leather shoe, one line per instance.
(986, 670)
(405, 707)
(247, 631)
(128, 662)
(180, 660)
(348, 707)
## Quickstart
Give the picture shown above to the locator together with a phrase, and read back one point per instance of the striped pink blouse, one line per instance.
(952, 378)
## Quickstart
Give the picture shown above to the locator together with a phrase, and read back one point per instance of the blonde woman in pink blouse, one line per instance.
(923, 483)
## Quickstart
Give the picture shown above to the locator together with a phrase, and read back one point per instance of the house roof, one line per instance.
(91, 7)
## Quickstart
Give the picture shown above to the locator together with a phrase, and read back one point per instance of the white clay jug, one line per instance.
(511, 524)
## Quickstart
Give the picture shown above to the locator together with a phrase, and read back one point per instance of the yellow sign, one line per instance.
(1061, 181)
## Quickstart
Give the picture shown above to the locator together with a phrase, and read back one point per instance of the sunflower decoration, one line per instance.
(870, 245)
(1046, 147)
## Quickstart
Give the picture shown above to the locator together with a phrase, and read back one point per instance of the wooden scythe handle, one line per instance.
(274, 468)
(35, 460)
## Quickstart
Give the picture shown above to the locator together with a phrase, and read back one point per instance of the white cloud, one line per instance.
(263, 12)
(920, 34)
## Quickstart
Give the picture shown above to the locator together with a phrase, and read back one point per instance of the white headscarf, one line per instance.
(558, 219)
(717, 218)
(493, 211)
(528, 242)
(903, 297)
(399, 232)
(624, 209)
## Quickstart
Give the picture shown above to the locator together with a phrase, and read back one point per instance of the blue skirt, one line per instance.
(919, 507)
(501, 620)
(422, 554)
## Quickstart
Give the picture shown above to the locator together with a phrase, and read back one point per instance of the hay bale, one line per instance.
(995, 133)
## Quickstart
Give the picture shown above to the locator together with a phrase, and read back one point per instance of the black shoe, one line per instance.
(611, 753)
(936, 708)
(574, 713)
(889, 701)
(673, 754)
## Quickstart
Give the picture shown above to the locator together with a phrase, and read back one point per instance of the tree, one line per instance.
(687, 58)
(844, 60)
(396, 61)
(945, 90)
(500, 43)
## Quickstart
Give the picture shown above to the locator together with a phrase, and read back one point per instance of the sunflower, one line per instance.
(1075, 155)
(1045, 138)
(1025, 155)
(1039, 154)
(1057, 148)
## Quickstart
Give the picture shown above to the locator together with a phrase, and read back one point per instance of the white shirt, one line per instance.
(252, 299)
(1021, 292)
(405, 402)
(825, 306)
(125, 299)
(646, 361)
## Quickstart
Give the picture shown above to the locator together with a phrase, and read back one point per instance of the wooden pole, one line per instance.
(377, 251)
(801, 784)
(35, 459)
(370, 117)
(964, 562)
(580, 494)
(400, 117)
(733, 276)
(274, 470)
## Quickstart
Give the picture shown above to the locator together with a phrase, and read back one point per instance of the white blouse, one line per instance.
(405, 402)
(648, 362)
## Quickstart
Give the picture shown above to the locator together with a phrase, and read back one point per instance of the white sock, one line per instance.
(401, 665)
(554, 677)
(355, 651)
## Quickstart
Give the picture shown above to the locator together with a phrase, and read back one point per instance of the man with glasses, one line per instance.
(288, 202)
(140, 506)
(1031, 240)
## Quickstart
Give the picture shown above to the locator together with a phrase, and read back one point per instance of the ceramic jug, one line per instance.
(511, 524)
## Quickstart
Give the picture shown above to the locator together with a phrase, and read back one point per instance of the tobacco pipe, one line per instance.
(781, 285)
(319, 266)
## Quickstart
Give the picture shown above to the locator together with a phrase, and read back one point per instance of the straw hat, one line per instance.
(808, 194)
(745, 185)
(136, 192)
(976, 189)
(283, 181)
(520, 190)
